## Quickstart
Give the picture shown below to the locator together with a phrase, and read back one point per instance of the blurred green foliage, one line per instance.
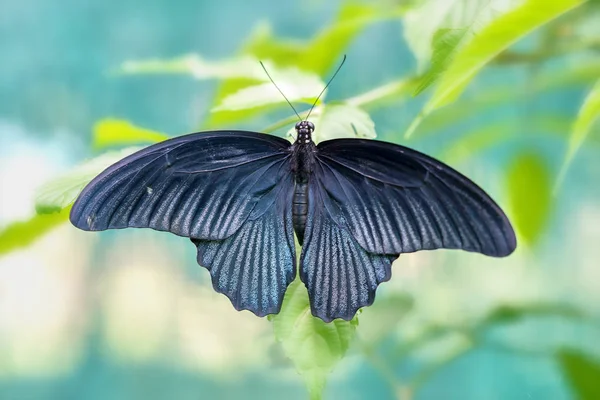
(59, 193)
(23, 233)
(114, 132)
(480, 50)
(588, 114)
(314, 346)
(581, 372)
(452, 44)
(528, 176)
(316, 55)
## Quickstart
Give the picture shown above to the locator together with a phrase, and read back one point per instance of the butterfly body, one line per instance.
(303, 159)
(355, 205)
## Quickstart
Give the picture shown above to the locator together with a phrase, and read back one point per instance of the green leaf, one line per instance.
(508, 314)
(327, 46)
(529, 195)
(335, 121)
(445, 42)
(23, 233)
(264, 44)
(261, 45)
(588, 114)
(62, 191)
(558, 78)
(316, 55)
(313, 346)
(297, 86)
(383, 94)
(487, 44)
(197, 67)
(116, 132)
(420, 25)
(581, 372)
(324, 49)
(423, 22)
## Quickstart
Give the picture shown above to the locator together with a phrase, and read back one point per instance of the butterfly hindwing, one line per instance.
(340, 275)
(254, 266)
(396, 200)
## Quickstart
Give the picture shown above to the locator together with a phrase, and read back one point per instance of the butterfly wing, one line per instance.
(255, 265)
(340, 275)
(396, 200)
(225, 190)
(370, 201)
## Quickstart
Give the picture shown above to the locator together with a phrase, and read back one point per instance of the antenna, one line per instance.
(273, 82)
(326, 86)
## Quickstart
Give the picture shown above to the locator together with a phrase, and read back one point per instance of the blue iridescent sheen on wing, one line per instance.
(340, 275)
(254, 266)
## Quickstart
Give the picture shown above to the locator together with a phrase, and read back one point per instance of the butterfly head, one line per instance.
(304, 129)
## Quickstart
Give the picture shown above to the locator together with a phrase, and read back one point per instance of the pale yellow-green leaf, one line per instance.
(196, 66)
(326, 48)
(420, 24)
(115, 132)
(574, 75)
(529, 195)
(317, 55)
(391, 91)
(425, 20)
(588, 114)
(62, 191)
(262, 45)
(490, 41)
(313, 346)
(445, 43)
(23, 233)
(295, 84)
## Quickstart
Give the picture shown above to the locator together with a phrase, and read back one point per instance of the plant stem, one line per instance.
(383, 368)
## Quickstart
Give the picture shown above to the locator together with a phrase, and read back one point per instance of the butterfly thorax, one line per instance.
(303, 158)
(303, 152)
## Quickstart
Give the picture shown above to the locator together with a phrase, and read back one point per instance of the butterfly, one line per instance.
(354, 206)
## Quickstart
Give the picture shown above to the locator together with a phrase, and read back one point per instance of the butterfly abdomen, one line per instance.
(303, 160)
(300, 209)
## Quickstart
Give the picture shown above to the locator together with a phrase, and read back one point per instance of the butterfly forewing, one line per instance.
(200, 185)
(396, 200)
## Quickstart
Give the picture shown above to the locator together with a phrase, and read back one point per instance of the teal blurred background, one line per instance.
(130, 315)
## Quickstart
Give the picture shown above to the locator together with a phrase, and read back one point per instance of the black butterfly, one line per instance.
(355, 206)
